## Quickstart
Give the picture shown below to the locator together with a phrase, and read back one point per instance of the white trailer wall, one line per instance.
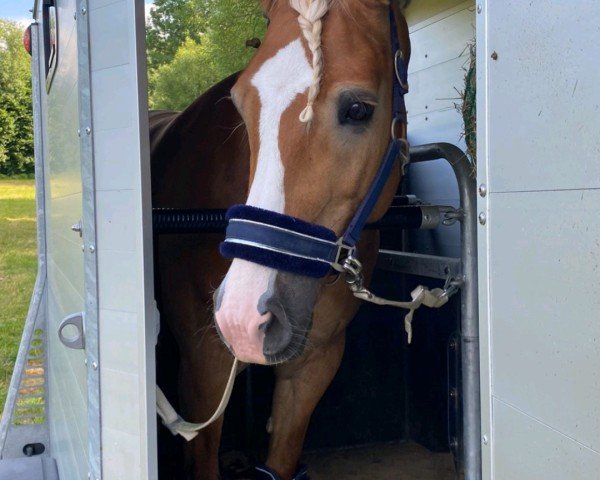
(127, 319)
(539, 150)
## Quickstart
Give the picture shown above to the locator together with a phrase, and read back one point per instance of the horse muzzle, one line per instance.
(267, 317)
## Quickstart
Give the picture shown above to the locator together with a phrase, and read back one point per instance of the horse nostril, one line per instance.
(278, 335)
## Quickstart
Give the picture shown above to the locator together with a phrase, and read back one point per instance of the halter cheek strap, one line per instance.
(290, 244)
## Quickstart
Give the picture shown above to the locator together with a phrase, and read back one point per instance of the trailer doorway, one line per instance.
(100, 162)
(408, 396)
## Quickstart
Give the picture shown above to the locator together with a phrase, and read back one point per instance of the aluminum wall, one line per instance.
(67, 376)
(539, 105)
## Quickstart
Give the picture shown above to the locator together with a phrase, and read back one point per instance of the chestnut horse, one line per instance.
(301, 131)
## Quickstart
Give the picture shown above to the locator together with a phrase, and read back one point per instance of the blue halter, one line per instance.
(287, 243)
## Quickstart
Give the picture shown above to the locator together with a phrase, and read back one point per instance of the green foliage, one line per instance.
(469, 106)
(202, 60)
(16, 128)
(172, 23)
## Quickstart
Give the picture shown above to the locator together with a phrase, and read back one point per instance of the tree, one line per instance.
(172, 22)
(207, 58)
(16, 125)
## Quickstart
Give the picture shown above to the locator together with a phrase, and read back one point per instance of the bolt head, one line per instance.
(482, 218)
(95, 365)
(494, 55)
(92, 248)
(482, 189)
(479, 8)
(88, 130)
(485, 440)
(83, 10)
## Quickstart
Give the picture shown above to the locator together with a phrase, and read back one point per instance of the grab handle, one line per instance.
(75, 342)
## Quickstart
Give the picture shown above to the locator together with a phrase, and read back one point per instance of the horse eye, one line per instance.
(356, 113)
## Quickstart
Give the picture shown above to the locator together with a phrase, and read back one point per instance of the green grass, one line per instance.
(18, 263)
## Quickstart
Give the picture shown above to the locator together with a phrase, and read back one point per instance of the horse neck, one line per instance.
(201, 156)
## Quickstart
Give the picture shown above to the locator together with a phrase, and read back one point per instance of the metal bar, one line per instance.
(464, 172)
(88, 183)
(193, 221)
(37, 298)
(419, 264)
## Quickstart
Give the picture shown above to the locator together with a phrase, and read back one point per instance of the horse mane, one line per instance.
(310, 18)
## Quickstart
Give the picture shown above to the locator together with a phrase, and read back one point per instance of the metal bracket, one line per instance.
(78, 342)
(421, 265)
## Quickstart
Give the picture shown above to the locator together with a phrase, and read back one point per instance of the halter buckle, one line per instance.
(343, 253)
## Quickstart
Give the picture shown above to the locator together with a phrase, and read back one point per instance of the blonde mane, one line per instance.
(310, 18)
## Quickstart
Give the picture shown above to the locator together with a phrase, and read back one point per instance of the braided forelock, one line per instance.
(311, 13)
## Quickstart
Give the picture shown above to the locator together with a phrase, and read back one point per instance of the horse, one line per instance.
(300, 132)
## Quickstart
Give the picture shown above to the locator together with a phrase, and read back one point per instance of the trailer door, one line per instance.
(539, 238)
(67, 370)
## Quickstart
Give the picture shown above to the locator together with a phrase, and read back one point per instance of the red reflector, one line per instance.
(27, 39)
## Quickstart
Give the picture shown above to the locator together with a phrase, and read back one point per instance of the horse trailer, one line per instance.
(503, 380)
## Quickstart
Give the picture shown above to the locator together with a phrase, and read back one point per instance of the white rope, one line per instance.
(188, 430)
(310, 20)
(421, 295)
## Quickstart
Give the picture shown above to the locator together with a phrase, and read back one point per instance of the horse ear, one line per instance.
(267, 5)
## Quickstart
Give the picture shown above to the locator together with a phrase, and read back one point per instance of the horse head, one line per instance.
(316, 100)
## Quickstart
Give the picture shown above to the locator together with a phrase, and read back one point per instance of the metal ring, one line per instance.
(399, 55)
(393, 130)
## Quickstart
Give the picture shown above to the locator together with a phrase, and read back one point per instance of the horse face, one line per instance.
(318, 170)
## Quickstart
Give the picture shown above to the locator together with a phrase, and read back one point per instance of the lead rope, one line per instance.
(177, 425)
(436, 298)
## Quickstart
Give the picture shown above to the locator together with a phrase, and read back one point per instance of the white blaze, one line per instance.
(278, 81)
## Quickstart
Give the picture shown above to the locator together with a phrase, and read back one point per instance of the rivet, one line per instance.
(88, 130)
(79, 132)
(485, 440)
(482, 190)
(494, 55)
(479, 8)
(83, 10)
(482, 218)
(92, 248)
(94, 365)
